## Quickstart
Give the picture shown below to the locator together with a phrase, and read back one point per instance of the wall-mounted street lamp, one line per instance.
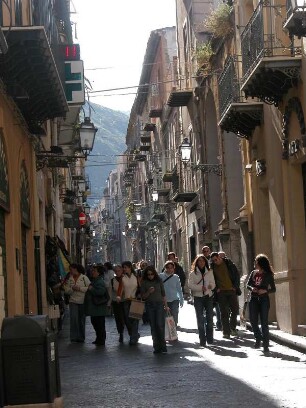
(155, 196)
(185, 150)
(185, 153)
(87, 136)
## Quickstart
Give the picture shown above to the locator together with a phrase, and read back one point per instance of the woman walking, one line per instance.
(130, 287)
(173, 289)
(261, 283)
(202, 283)
(75, 287)
(153, 292)
(96, 304)
(117, 300)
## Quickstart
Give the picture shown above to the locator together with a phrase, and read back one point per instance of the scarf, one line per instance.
(203, 273)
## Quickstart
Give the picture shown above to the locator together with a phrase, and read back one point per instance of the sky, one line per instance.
(113, 35)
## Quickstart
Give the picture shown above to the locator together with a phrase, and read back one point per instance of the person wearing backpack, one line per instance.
(96, 304)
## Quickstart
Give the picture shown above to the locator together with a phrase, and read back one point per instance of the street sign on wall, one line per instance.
(82, 218)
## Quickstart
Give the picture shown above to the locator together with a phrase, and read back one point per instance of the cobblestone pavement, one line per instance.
(228, 374)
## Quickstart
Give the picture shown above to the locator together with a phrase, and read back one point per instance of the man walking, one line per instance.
(206, 251)
(228, 287)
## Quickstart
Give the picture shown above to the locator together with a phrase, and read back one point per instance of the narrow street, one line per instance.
(228, 374)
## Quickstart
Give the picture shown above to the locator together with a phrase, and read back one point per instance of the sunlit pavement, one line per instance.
(228, 374)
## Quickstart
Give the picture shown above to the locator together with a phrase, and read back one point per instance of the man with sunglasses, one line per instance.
(227, 280)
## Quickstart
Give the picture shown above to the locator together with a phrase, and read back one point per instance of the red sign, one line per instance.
(82, 218)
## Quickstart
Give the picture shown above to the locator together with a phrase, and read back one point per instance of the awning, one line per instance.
(31, 76)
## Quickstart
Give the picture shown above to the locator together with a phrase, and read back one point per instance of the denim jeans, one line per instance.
(174, 309)
(131, 324)
(77, 322)
(229, 308)
(259, 306)
(205, 324)
(156, 315)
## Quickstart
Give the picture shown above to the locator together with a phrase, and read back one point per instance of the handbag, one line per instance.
(170, 328)
(136, 309)
(54, 312)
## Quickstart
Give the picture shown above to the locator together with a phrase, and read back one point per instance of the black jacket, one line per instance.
(266, 283)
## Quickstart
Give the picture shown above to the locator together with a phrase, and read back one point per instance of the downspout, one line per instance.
(37, 259)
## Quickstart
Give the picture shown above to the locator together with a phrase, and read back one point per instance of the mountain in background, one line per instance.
(109, 143)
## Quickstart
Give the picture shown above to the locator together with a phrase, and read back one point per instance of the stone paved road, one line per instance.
(229, 374)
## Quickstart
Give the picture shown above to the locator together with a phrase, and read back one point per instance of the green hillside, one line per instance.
(109, 143)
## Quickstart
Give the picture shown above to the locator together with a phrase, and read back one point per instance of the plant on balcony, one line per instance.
(129, 212)
(219, 22)
(203, 54)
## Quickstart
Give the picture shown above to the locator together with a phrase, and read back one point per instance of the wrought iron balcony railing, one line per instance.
(270, 58)
(296, 17)
(237, 115)
(229, 86)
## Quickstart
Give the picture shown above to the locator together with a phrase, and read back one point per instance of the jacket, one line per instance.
(97, 288)
(130, 285)
(266, 282)
(233, 273)
(195, 282)
(173, 288)
(77, 296)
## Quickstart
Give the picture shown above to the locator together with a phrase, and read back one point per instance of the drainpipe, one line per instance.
(37, 259)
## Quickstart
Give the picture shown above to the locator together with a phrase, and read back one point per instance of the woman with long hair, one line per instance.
(261, 283)
(130, 288)
(153, 292)
(202, 283)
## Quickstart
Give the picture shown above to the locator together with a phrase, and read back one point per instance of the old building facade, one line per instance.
(42, 179)
(233, 94)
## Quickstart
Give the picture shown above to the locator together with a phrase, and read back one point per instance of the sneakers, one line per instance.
(234, 332)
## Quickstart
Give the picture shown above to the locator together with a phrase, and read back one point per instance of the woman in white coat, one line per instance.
(202, 283)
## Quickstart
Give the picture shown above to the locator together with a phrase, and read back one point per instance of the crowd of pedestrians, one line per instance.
(212, 284)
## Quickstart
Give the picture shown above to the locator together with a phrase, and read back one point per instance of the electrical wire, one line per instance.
(138, 86)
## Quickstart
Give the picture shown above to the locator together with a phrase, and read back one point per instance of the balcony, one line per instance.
(179, 98)
(237, 115)
(145, 147)
(271, 61)
(296, 17)
(181, 194)
(145, 138)
(31, 76)
(149, 127)
(155, 112)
